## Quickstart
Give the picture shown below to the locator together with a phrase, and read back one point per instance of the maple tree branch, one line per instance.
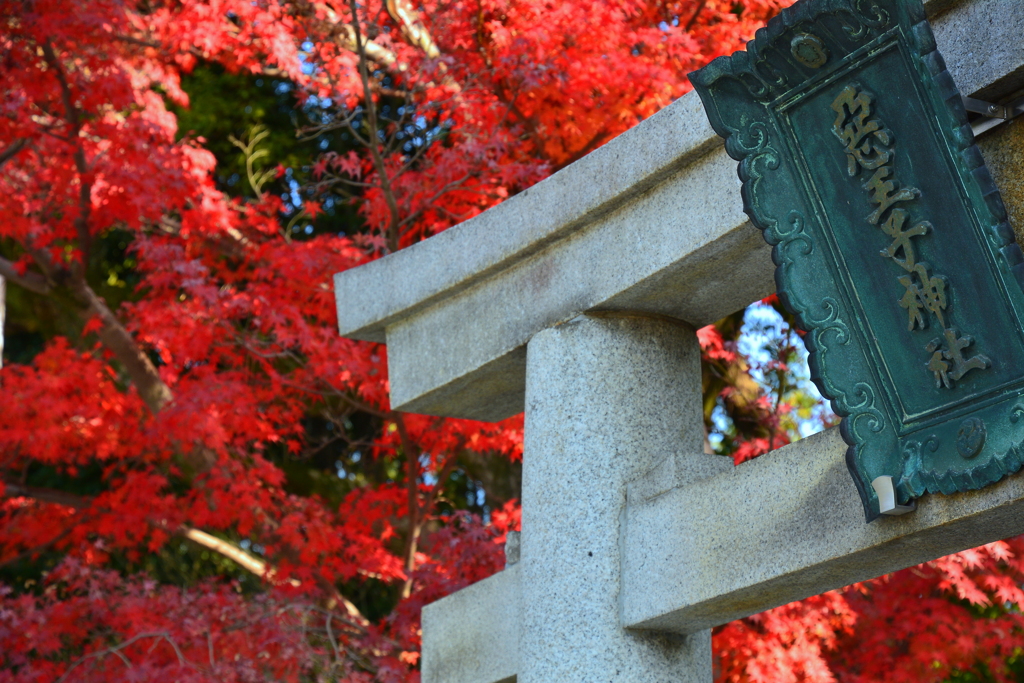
(345, 36)
(361, 405)
(479, 35)
(330, 638)
(153, 390)
(353, 612)
(34, 550)
(442, 477)
(509, 100)
(233, 242)
(693, 19)
(429, 204)
(116, 650)
(413, 158)
(376, 52)
(257, 566)
(243, 559)
(344, 396)
(71, 500)
(371, 122)
(412, 28)
(75, 122)
(308, 133)
(269, 71)
(33, 282)
(240, 557)
(260, 567)
(132, 40)
(412, 473)
(8, 153)
(418, 514)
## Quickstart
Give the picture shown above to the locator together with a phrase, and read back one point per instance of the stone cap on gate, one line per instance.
(448, 263)
(651, 222)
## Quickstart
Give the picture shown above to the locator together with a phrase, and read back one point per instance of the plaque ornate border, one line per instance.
(754, 139)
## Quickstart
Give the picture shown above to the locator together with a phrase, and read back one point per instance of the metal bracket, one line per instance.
(886, 492)
(991, 114)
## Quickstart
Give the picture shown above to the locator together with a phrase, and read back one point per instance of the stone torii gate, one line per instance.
(577, 301)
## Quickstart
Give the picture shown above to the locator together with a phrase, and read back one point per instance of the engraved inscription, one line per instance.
(957, 366)
(870, 146)
(867, 144)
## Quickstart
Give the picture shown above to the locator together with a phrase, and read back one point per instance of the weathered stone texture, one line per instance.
(472, 636)
(1003, 149)
(783, 527)
(607, 398)
(981, 43)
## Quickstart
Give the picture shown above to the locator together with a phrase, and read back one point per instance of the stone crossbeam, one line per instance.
(691, 563)
(794, 527)
(474, 633)
(650, 223)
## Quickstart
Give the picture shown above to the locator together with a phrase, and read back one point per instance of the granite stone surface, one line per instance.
(607, 398)
(1003, 149)
(472, 636)
(981, 44)
(783, 527)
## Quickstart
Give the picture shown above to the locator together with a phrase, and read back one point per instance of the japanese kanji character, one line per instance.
(939, 367)
(865, 140)
(893, 227)
(955, 344)
(884, 193)
(927, 293)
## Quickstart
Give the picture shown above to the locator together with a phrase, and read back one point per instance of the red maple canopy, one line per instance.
(164, 415)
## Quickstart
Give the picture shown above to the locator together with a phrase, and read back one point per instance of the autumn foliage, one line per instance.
(199, 479)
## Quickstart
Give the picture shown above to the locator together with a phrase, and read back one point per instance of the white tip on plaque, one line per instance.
(885, 489)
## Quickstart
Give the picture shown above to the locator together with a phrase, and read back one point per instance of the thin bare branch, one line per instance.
(442, 479)
(371, 120)
(429, 204)
(330, 637)
(116, 651)
(412, 460)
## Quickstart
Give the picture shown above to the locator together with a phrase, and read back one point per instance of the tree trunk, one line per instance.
(3, 315)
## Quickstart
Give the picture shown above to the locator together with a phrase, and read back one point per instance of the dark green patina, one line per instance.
(891, 243)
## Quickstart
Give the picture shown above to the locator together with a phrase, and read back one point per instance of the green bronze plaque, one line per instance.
(891, 243)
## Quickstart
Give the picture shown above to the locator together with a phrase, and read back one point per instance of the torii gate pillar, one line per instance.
(607, 399)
